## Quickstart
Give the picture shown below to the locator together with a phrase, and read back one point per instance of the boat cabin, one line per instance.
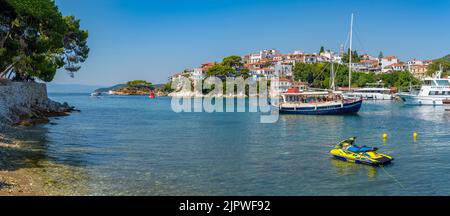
(436, 82)
(309, 97)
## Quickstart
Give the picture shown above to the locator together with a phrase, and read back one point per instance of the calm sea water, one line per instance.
(131, 145)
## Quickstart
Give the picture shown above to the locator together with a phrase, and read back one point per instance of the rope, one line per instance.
(357, 35)
(393, 177)
(323, 69)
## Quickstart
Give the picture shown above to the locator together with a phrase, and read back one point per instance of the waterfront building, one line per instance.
(418, 71)
(419, 68)
(395, 67)
(387, 61)
(197, 74)
(367, 65)
(280, 85)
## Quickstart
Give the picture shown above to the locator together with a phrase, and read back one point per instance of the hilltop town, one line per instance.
(271, 63)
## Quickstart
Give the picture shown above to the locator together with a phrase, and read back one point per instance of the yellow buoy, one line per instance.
(415, 136)
(385, 136)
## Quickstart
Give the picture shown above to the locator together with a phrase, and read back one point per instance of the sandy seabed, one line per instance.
(22, 174)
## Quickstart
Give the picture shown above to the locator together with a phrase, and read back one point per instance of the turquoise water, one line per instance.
(131, 145)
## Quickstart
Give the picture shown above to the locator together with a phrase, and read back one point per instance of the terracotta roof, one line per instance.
(390, 57)
(284, 79)
(397, 64)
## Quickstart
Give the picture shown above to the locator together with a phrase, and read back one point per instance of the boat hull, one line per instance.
(361, 157)
(381, 161)
(420, 100)
(346, 108)
(369, 96)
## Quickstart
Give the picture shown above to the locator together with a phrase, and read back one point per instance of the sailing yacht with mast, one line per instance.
(329, 102)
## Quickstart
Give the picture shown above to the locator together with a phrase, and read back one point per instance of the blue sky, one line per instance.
(142, 39)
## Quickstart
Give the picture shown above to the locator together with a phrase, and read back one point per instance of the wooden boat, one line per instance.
(317, 103)
(328, 102)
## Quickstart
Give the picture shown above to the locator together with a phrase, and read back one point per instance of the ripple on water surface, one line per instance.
(137, 146)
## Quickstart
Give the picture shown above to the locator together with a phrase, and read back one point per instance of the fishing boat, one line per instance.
(346, 150)
(330, 102)
(434, 91)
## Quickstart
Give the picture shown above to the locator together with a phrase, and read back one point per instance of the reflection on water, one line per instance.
(344, 168)
(136, 146)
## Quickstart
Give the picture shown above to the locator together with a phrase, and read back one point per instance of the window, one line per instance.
(443, 82)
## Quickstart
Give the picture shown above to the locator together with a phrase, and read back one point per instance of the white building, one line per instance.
(395, 67)
(283, 70)
(386, 61)
(264, 54)
(310, 58)
(280, 85)
(197, 74)
(366, 56)
(262, 72)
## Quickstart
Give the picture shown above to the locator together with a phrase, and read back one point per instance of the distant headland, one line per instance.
(134, 87)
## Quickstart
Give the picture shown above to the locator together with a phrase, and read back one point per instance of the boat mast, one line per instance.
(350, 56)
(333, 77)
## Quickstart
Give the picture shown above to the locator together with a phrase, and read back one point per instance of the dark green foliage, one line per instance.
(318, 75)
(435, 66)
(228, 67)
(36, 40)
(142, 83)
(355, 56)
(232, 61)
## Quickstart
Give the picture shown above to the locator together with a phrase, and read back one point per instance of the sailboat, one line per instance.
(329, 102)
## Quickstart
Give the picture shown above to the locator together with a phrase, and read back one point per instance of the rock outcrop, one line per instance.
(27, 103)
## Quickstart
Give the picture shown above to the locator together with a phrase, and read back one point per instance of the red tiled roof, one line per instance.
(390, 57)
(284, 79)
(397, 64)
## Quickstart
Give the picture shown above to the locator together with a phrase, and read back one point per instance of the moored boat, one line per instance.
(346, 150)
(329, 102)
(435, 91)
(317, 103)
(375, 91)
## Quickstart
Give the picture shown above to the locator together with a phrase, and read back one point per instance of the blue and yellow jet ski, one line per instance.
(346, 150)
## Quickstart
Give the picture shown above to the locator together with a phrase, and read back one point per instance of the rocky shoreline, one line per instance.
(27, 103)
(24, 104)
